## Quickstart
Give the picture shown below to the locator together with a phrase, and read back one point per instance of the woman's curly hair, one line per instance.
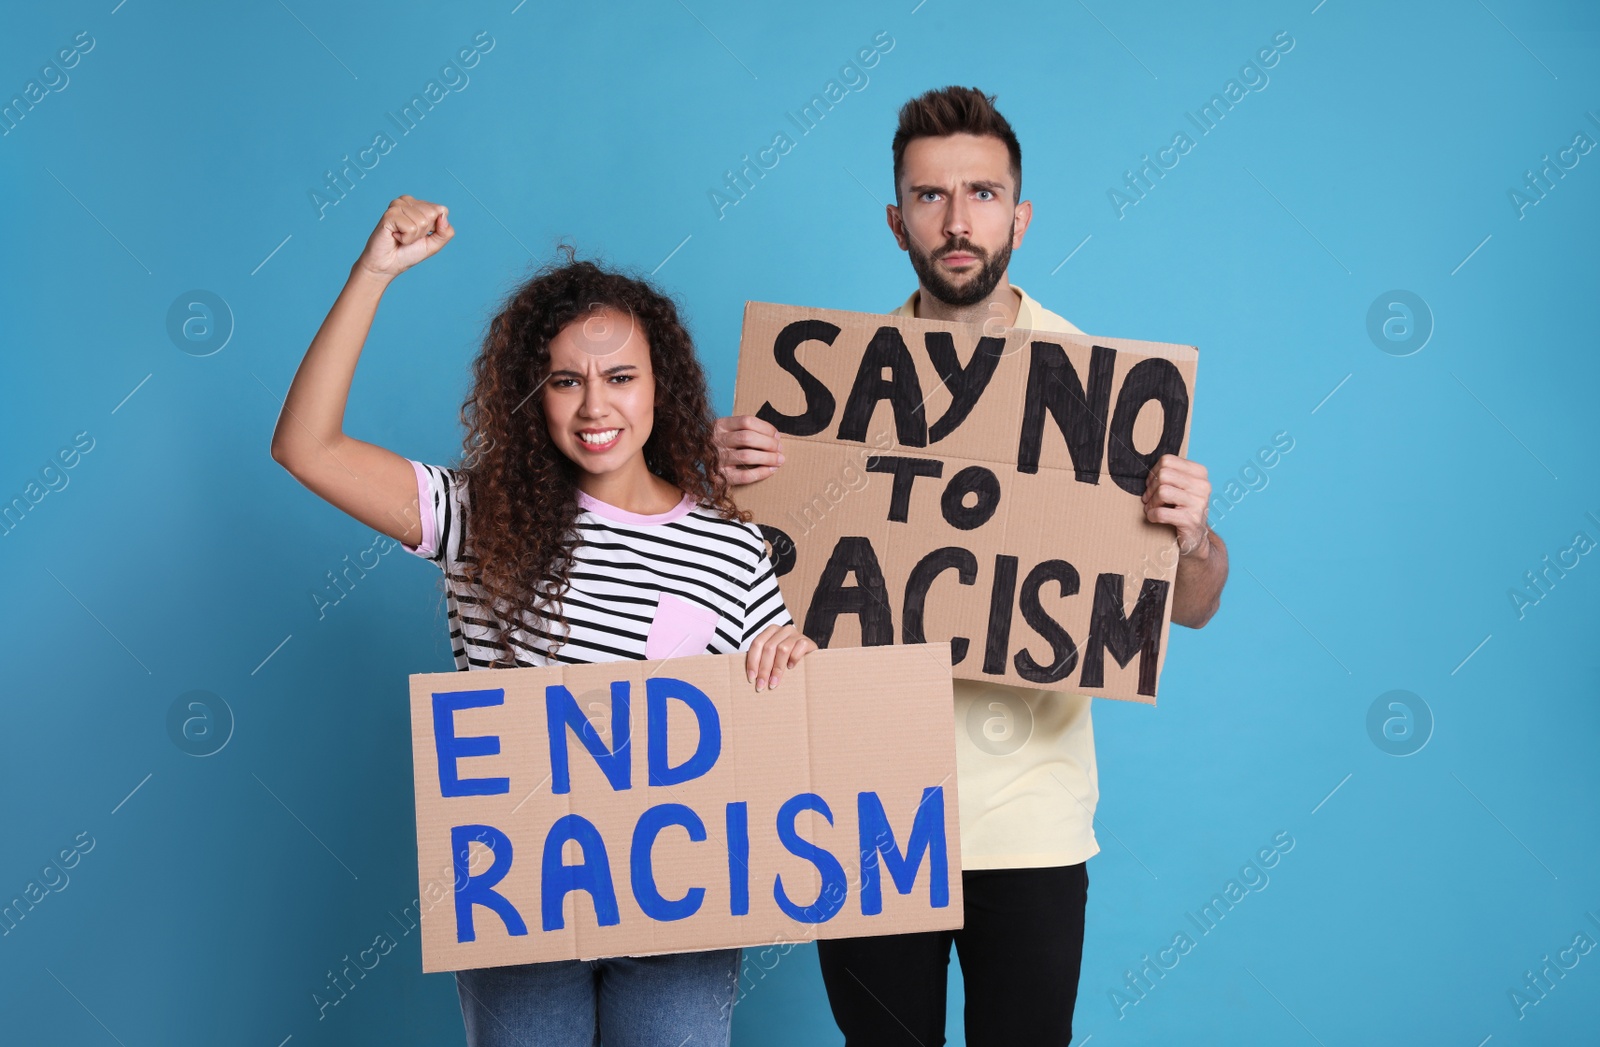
(523, 493)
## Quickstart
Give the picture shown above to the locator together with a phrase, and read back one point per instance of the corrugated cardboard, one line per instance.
(1036, 561)
(846, 726)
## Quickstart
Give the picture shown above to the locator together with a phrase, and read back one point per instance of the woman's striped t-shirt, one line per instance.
(679, 583)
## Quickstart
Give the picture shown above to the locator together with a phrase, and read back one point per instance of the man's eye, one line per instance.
(929, 197)
(986, 194)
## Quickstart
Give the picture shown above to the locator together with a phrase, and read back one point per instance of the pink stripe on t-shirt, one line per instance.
(430, 538)
(611, 512)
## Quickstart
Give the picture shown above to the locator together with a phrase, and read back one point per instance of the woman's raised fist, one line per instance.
(409, 231)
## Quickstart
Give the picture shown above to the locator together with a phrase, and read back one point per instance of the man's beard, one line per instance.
(977, 289)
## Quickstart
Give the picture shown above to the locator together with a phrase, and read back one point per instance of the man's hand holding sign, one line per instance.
(1177, 493)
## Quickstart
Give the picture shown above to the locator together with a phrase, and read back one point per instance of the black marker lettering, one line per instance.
(922, 575)
(998, 641)
(819, 401)
(1054, 387)
(1152, 379)
(967, 383)
(886, 351)
(868, 597)
(1063, 651)
(1136, 634)
(905, 471)
(974, 479)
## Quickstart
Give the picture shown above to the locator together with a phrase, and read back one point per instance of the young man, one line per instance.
(1027, 815)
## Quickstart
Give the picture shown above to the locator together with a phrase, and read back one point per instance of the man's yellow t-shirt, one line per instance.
(1025, 767)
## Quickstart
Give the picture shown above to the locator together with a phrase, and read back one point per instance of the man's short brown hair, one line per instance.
(950, 111)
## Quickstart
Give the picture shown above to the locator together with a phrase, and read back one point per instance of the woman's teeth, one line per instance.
(599, 438)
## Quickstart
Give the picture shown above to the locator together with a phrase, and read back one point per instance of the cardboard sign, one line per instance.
(826, 808)
(978, 483)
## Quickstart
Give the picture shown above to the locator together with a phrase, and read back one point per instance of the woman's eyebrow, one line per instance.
(616, 369)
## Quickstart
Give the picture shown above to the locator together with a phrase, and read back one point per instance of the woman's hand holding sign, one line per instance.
(776, 648)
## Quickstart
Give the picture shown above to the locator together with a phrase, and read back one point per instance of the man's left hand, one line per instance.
(1177, 492)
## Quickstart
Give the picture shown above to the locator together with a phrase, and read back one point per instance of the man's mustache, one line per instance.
(963, 246)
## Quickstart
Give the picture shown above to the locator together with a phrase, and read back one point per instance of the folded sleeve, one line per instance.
(764, 605)
(438, 500)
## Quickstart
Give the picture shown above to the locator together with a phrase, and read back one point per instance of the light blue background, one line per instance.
(1380, 555)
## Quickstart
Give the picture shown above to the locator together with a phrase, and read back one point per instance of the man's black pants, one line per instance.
(1020, 949)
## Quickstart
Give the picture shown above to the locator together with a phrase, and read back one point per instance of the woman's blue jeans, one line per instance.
(678, 1000)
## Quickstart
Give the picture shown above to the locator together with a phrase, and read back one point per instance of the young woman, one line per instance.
(589, 522)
